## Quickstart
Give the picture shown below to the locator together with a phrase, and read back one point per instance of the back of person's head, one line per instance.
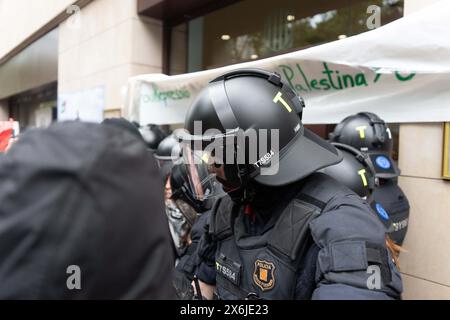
(82, 217)
(124, 124)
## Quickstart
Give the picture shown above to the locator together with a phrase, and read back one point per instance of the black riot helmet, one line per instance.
(246, 125)
(355, 170)
(181, 190)
(364, 131)
(169, 159)
(167, 153)
(152, 135)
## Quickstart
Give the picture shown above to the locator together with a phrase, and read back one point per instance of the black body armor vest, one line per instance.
(266, 265)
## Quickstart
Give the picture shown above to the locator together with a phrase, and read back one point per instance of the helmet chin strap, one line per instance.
(243, 195)
(238, 175)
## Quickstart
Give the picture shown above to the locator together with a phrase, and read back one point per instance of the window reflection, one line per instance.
(254, 29)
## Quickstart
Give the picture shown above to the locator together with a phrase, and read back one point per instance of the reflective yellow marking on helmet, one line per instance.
(205, 158)
(284, 103)
(362, 173)
(362, 131)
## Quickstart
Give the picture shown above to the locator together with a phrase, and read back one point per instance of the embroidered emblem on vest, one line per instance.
(264, 274)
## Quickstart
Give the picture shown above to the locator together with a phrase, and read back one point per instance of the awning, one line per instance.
(400, 71)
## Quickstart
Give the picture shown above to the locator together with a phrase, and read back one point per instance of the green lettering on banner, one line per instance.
(404, 78)
(332, 79)
(289, 76)
(397, 75)
(377, 77)
(360, 80)
(303, 76)
(164, 96)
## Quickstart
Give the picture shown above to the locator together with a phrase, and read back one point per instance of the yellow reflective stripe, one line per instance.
(284, 103)
(205, 158)
(362, 173)
(362, 131)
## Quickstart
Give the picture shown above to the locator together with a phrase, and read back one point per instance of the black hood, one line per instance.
(87, 195)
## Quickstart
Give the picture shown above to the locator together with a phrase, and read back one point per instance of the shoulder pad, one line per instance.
(352, 242)
(324, 188)
(292, 229)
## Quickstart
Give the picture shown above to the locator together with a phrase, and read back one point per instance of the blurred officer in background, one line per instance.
(283, 231)
(357, 172)
(153, 135)
(369, 134)
(187, 215)
(82, 216)
(182, 207)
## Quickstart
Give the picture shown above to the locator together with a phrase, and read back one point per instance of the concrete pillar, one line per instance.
(110, 44)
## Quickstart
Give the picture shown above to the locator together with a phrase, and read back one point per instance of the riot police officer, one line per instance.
(284, 231)
(357, 172)
(167, 153)
(368, 133)
(153, 135)
(363, 131)
(183, 208)
(187, 214)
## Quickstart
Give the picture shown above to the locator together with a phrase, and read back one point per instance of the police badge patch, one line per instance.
(264, 274)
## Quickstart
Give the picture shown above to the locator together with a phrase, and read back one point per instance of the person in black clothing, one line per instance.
(82, 216)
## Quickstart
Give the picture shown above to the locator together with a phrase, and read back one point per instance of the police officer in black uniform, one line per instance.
(182, 206)
(187, 214)
(179, 213)
(284, 231)
(368, 133)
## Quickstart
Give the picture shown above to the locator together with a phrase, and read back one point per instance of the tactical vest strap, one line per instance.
(233, 289)
(190, 263)
(236, 291)
(316, 202)
(220, 226)
(292, 229)
(379, 256)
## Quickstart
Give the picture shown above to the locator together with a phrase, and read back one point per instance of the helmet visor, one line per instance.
(201, 171)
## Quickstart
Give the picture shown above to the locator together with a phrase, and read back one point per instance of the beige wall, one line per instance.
(112, 44)
(426, 264)
(21, 18)
(178, 57)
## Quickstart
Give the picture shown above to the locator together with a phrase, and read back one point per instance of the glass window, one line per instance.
(254, 29)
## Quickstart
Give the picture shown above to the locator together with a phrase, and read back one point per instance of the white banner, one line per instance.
(400, 71)
(87, 105)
